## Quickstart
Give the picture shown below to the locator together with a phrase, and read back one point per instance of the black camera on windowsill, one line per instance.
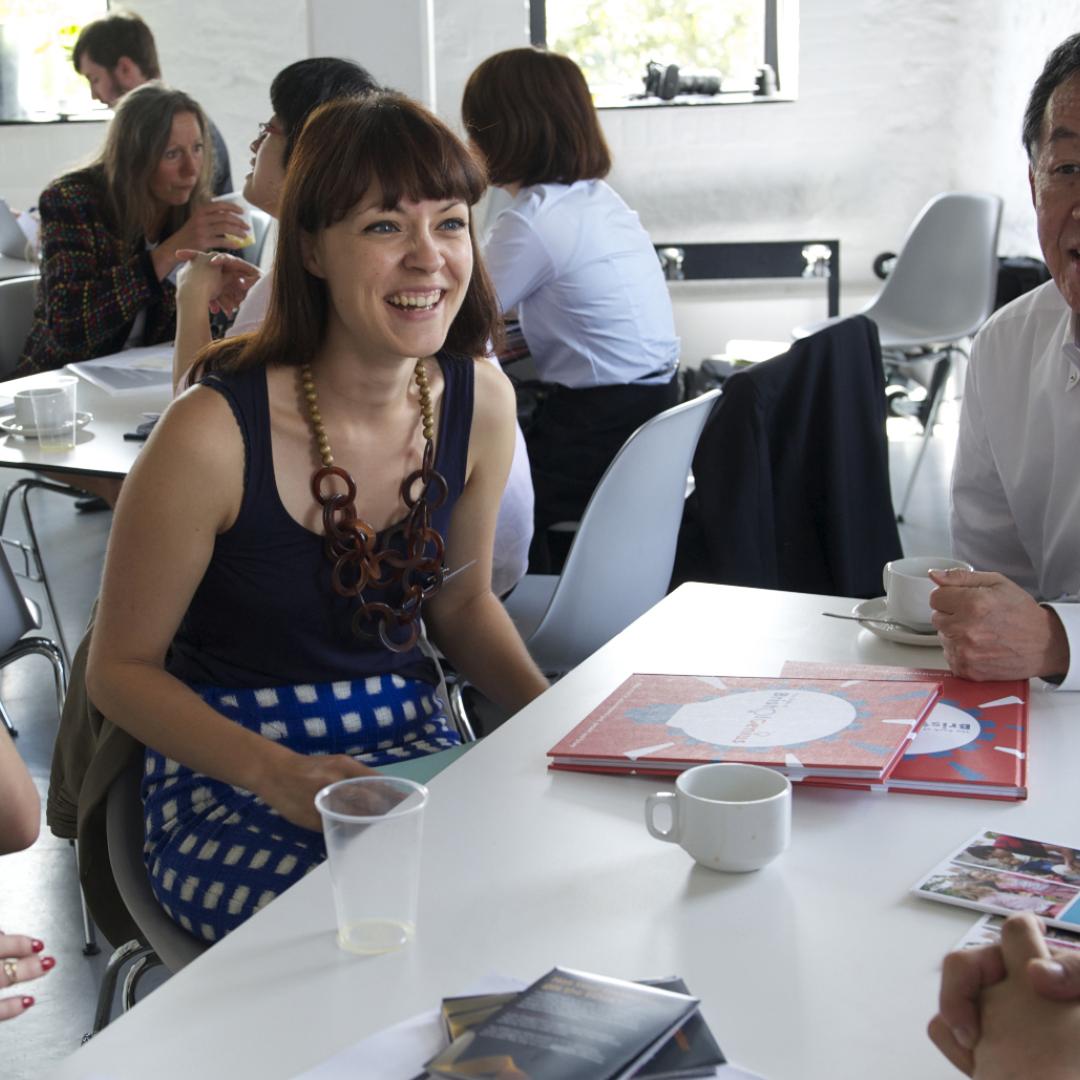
(665, 81)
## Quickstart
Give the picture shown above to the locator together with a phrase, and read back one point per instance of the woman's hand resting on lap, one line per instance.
(292, 782)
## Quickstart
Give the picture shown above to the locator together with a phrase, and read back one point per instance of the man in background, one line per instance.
(115, 54)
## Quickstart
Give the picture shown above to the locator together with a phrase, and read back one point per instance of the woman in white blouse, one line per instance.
(574, 261)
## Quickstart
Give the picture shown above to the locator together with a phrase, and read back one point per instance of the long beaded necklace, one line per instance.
(358, 563)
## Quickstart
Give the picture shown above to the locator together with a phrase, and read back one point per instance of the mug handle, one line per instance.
(885, 576)
(651, 803)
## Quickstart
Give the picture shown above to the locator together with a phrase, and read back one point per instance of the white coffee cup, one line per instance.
(49, 413)
(731, 817)
(908, 587)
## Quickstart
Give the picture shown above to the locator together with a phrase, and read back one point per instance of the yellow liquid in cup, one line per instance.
(369, 936)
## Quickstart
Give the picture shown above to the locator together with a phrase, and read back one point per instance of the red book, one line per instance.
(972, 745)
(663, 724)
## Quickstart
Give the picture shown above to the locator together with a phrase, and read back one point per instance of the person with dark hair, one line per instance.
(1015, 494)
(332, 479)
(109, 233)
(574, 261)
(210, 282)
(115, 54)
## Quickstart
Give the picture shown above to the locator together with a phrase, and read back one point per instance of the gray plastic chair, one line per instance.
(260, 226)
(17, 296)
(18, 616)
(160, 940)
(939, 293)
(621, 559)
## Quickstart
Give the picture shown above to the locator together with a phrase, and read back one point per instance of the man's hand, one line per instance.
(1025, 1035)
(992, 629)
(966, 975)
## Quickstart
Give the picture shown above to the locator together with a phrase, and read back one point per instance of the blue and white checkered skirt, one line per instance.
(216, 853)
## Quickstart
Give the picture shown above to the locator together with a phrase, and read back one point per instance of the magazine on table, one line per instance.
(146, 368)
(987, 931)
(972, 745)
(1001, 873)
(568, 1025)
(691, 1052)
(663, 724)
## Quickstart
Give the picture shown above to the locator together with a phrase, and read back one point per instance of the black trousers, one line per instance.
(572, 439)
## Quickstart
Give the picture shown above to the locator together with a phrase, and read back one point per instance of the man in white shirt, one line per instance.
(1016, 482)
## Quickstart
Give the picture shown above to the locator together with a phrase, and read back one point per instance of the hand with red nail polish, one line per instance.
(20, 962)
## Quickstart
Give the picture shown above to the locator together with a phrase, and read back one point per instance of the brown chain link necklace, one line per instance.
(358, 563)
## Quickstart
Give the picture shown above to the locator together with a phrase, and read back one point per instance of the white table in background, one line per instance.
(100, 447)
(17, 268)
(818, 967)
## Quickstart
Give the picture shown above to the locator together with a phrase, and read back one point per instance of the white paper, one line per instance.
(133, 369)
(399, 1052)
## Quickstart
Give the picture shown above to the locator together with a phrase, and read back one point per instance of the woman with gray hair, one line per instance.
(110, 232)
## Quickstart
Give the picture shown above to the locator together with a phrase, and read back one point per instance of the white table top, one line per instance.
(14, 268)
(100, 447)
(819, 966)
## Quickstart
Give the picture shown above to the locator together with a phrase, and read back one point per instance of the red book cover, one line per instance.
(803, 727)
(973, 744)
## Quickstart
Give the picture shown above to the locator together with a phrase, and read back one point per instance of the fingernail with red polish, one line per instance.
(36, 945)
(27, 1002)
(47, 963)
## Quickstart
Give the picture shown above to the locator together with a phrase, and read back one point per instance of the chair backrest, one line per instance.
(124, 829)
(15, 617)
(17, 297)
(942, 286)
(620, 562)
(260, 226)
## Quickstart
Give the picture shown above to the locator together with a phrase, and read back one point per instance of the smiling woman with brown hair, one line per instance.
(291, 516)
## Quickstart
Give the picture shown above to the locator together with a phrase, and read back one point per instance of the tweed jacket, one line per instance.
(92, 284)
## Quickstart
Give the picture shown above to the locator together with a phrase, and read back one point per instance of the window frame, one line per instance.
(781, 54)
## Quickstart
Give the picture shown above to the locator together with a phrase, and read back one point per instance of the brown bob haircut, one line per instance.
(346, 147)
(532, 117)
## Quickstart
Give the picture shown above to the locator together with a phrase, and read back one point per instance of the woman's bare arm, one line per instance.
(466, 620)
(184, 490)
(20, 806)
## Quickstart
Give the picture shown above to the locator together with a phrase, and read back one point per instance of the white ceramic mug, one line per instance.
(49, 413)
(908, 587)
(730, 817)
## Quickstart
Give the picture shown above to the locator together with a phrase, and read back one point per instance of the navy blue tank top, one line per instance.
(265, 613)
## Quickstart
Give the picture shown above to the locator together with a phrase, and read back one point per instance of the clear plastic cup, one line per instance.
(248, 238)
(373, 827)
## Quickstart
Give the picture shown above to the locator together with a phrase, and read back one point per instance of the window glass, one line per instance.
(37, 81)
(613, 40)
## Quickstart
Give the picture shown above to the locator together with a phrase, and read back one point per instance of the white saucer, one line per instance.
(12, 427)
(876, 609)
